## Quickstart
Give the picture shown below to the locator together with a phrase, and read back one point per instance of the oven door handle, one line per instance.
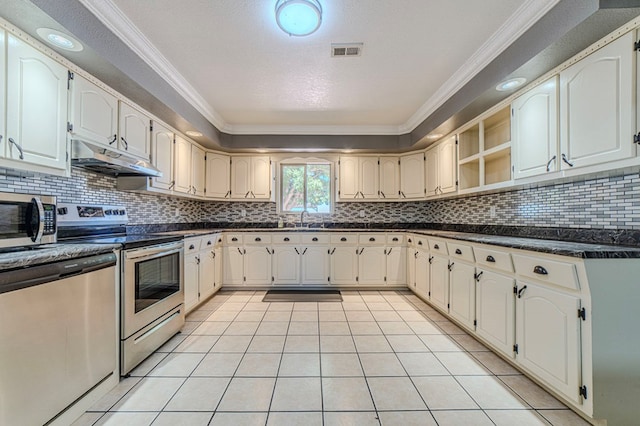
(152, 252)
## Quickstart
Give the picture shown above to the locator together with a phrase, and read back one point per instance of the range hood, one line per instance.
(103, 160)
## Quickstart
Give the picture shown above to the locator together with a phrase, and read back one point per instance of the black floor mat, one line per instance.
(302, 296)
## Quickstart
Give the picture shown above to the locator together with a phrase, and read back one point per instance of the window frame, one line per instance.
(306, 162)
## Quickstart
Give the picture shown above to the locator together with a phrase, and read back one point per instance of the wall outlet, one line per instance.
(361, 213)
(492, 212)
(243, 213)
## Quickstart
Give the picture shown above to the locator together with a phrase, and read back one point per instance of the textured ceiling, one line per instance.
(256, 79)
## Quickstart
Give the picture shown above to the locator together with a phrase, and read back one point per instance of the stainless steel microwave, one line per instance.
(27, 219)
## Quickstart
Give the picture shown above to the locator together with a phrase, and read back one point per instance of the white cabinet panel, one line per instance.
(233, 265)
(261, 177)
(182, 165)
(412, 176)
(548, 336)
(197, 171)
(447, 166)
(257, 267)
(597, 105)
(396, 266)
(36, 107)
(462, 297)
(240, 177)
(93, 113)
(412, 254)
(372, 263)
(359, 178)
(422, 273)
(349, 184)
(207, 273)
(315, 265)
(534, 140)
(191, 277)
(134, 131)
(344, 265)
(286, 265)
(431, 172)
(389, 178)
(439, 282)
(495, 310)
(218, 174)
(368, 178)
(250, 177)
(162, 156)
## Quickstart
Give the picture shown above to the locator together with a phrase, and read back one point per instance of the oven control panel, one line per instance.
(91, 214)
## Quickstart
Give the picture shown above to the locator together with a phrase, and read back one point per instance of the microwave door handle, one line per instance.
(38, 235)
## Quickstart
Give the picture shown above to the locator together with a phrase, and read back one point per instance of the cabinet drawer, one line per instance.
(256, 238)
(438, 246)
(316, 238)
(344, 239)
(192, 245)
(556, 272)
(460, 251)
(395, 239)
(493, 259)
(233, 239)
(371, 239)
(420, 241)
(208, 241)
(288, 238)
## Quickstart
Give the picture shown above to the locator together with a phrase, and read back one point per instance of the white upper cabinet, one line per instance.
(218, 173)
(251, 178)
(134, 131)
(182, 165)
(534, 131)
(197, 171)
(389, 178)
(162, 156)
(597, 102)
(359, 178)
(412, 176)
(36, 108)
(93, 113)
(440, 168)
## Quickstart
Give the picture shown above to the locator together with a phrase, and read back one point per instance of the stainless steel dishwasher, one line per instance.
(58, 335)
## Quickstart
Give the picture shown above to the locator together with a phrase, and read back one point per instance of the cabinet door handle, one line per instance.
(234, 239)
(521, 292)
(11, 141)
(389, 251)
(549, 163)
(458, 251)
(343, 239)
(112, 141)
(540, 270)
(305, 250)
(247, 194)
(198, 260)
(564, 158)
(437, 247)
(124, 141)
(430, 260)
(402, 194)
(409, 240)
(419, 243)
(333, 251)
(296, 250)
(286, 239)
(372, 239)
(450, 267)
(361, 251)
(395, 239)
(258, 239)
(314, 239)
(356, 196)
(239, 251)
(477, 276)
(382, 193)
(268, 251)
(209, 242)
(191, 247)
(491, 259)
(227, 194)
(172, 184)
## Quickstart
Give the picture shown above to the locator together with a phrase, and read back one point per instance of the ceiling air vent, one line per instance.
(346, 49)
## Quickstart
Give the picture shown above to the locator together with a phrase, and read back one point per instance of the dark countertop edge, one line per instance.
(580, 249)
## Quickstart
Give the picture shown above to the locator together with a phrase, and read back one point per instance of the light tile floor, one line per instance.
(377, 358)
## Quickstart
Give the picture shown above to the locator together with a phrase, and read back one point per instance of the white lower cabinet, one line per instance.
(422, 273)
(412, 254)
(286, 265)
(495, 310)
(396, 266)
(548, 336)
(233, 265)
(202, 269)
(372, 265)
(207, 274)
(191, 276)
(344, 265)
(257, 269)
(315, 265)
(462, 293)
(439, 282)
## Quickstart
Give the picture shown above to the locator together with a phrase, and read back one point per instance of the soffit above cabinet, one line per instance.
(327, 103)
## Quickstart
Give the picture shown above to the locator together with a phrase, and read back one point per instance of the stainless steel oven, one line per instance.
(27, 219)
(152, 299)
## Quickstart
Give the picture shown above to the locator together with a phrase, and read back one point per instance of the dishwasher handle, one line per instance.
(41, 274)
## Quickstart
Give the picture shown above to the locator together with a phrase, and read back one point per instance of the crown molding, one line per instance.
(518, 23)
(110, 15)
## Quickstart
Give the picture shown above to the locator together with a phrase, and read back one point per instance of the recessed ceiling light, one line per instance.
(298, 17)
(193, 133)
(434, 136)
(510, 84)
(59, 39)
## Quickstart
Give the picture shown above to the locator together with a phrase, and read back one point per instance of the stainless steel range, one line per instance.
(151, 276)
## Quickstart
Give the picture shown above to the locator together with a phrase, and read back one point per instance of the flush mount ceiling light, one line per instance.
(298, 17)
(510, 84)
(193, 133)
(60, 39)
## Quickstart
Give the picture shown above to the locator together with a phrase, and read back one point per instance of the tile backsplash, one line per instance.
(600, 203)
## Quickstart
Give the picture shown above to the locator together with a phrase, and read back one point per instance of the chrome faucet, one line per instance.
(302, 218)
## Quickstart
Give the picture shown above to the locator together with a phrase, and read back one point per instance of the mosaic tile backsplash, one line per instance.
(601, 203)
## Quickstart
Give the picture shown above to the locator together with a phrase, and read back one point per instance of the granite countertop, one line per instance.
(563, 248)
(48, 253)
